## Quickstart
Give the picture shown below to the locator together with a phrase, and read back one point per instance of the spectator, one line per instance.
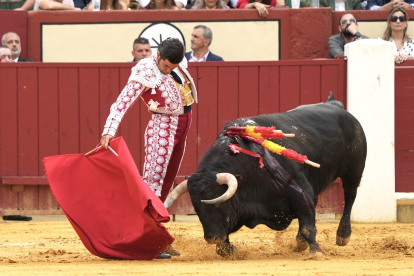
(260, 5)
(81, 4)
(209, 5)
(131, 5)
(396, 32)
(348, 28)
(12, 41)
(158, 5)
(29, 4)
(181, 4)
(5, 54)
(108, 5)
(54, 5)
(341, 5)
(141, 49)
(389, 4)
(200, 41)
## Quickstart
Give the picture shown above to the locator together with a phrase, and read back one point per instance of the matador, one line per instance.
(164, 84)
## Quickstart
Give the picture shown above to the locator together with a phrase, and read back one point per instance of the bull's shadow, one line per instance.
(282, 189)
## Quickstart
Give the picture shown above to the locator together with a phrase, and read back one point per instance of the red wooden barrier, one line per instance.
(50, 109)
(404, 127)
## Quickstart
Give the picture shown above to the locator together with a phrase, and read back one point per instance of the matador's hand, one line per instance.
(105, 140)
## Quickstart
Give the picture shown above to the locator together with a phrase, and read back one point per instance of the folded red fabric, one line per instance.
(114, 212)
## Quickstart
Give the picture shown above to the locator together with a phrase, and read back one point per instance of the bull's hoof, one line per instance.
(226, 250)
(342, 241)
(301, 243)
(316, 255)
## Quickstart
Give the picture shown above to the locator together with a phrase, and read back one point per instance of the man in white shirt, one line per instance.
(12, 41)
(200, 41)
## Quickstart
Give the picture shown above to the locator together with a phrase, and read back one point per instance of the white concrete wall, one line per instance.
(370, 98)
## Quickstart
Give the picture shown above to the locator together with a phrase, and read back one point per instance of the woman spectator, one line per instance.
(396, 32)
(209, 5)
(54, 5)
(161, 5)
(131, 5)
(109, 5)
(260, 5)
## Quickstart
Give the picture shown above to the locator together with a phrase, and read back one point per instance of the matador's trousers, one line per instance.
(165, 139)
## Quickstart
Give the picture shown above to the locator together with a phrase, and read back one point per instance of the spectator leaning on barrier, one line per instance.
(341, 5)
(260, 5)
(209, 5)
(108, 5)
(81, 4)
(158, 4)
(132, 5)
(141, 49)
(348, 28)
(200, 41)
(12, 41)
(389, 4)
(396, 32)
(30, 4)
(54, 5)
(5, 54)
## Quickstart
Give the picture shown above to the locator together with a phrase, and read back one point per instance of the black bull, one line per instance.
(283, 189)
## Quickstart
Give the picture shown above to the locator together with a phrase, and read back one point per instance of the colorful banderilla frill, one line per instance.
(258, 135)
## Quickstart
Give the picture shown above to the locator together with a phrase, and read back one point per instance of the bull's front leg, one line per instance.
(226, 249)
(305, 211)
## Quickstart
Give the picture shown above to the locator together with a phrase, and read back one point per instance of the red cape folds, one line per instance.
(114, 212)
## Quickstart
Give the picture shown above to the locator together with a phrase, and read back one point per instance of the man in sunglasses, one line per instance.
(389, 4)
(348, 28)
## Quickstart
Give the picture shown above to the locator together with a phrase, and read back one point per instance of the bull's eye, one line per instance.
(228, 219)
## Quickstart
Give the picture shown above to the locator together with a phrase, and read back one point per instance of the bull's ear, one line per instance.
(238, 177)
(187, 177)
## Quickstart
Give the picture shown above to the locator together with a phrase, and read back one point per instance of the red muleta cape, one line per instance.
(114, 212)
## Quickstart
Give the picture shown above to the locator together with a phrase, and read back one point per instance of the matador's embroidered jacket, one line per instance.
(158, 91)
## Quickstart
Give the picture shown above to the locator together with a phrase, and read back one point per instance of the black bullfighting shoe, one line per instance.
(172, 251)
(163, 256)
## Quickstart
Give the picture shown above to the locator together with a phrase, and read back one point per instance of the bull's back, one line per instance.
(326, 134)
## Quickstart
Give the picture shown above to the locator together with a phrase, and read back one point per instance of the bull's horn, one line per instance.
(231, 181)
(178, 191)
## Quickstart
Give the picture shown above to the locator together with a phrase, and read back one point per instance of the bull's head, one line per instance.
(213, 215)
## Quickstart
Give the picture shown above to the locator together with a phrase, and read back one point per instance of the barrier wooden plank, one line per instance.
(8, 133)
(207, 107)
(48, 131)
(28, 141)
(404, 127)
(68, 110)
(269, 89)
(88, 104)
(310, 84)
(330, 82)
(228, 95)
(290, 85)
(248, 91)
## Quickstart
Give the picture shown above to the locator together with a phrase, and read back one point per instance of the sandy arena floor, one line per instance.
(49, 246)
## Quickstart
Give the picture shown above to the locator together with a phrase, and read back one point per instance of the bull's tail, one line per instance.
(332, 100)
